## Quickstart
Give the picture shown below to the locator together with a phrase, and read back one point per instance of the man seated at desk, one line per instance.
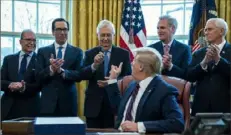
(149, 104)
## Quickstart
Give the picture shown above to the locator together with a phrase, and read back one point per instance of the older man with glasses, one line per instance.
(19, 80)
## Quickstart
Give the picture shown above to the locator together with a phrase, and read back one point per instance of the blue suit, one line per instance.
(59, 95)
(181, 57)
(212, 86)
(20, 104)
(157, 108)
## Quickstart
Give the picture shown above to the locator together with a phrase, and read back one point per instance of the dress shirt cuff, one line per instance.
(62, 73)
(51, 71)
(23, 88)
(112, 81)
(141, 127)
(92, 68)
(204, 67)
(120, 129)
(170, 68)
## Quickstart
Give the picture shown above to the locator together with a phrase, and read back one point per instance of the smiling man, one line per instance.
(97, 108)
(176, 55)
(19, 82)
(60, 62)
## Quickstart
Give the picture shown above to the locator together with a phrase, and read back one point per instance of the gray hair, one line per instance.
(25, 31)
(171, 21)
(105, 23)
(220, 23)
(150, 58)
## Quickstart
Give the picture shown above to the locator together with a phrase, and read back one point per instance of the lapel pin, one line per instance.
(223, 52)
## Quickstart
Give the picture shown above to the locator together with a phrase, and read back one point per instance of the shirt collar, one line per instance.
(221, 45)
(22, 53)
(108, 50)
(57, 45)
(169, 44)
(144, 83)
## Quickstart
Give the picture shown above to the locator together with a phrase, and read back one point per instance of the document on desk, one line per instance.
(116, 133)
(59, 125)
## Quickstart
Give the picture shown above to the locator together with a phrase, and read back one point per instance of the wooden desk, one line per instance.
(95, 131)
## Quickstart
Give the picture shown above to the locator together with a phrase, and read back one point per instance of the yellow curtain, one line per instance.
(86, 14)
(224, 11)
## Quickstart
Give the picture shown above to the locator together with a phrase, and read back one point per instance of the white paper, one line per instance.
(58, 120)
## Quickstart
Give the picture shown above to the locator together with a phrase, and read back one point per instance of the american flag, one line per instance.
(196, 46)
(132, 31)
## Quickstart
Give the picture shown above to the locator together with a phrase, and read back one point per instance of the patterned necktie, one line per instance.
(23, 65)
(60, 54)
(106, 62)
(128, 115)
(166, 49)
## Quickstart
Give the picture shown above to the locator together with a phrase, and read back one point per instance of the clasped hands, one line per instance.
(167, 61)
(17, 86)
(56, 64)
(212, 53)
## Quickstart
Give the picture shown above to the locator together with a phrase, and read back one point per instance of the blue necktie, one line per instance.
(23, 65)
(60, 54)
(106, 62)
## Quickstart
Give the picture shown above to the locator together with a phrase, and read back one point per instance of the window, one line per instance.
(180, 9)
(17, 15)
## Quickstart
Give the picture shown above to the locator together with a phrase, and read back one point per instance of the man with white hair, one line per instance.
(149, 104)
(97, 108)
(210, 69)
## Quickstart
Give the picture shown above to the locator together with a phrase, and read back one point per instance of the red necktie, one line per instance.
(166, 49)
(128, 115)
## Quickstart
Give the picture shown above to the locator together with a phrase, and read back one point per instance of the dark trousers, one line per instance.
(105, 119)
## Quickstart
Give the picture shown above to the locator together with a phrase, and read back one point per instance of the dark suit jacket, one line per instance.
(181, 57)
(157, 108)
(27, 101)
(56, 89)
(212, 86)
(95, 94)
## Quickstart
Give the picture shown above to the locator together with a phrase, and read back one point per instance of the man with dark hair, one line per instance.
(19, 80)
(176, 55)
(61, 63)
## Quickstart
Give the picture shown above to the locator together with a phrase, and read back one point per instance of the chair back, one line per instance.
(182, 99)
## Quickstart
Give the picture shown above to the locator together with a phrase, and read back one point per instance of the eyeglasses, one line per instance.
(61, 29)
(30, 40)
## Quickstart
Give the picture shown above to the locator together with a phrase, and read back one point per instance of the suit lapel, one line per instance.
(160, 48)
(52, 51)
(67, 56)
(15, 69)
(147, 92)
(173, 48)
(31, 66)
(224, 52)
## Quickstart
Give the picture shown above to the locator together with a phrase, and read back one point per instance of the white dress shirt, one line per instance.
(21, 55)
(143, 85)
(63, 49)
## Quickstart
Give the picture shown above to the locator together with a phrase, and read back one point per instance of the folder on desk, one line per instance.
(59, 125)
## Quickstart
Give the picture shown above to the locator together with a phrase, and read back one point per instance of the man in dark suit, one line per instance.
(97, 108)
(176, 55)
(210, 69)
(19, 80)
(149, 104)
(61, 63)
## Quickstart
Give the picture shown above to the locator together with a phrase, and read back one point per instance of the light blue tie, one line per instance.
(106, 62)
(60, 55)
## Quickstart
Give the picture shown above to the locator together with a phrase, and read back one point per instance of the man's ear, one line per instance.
(141, 68)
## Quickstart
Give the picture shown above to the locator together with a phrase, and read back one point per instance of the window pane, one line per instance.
(176, 11)
(6, 15)
(47, 13)
(173, 1)
(44, 42)
(50, 1)
(149, 42)
(25, 16)
(151, 19)
(188, 14)
(6, 47)
(17, 45)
